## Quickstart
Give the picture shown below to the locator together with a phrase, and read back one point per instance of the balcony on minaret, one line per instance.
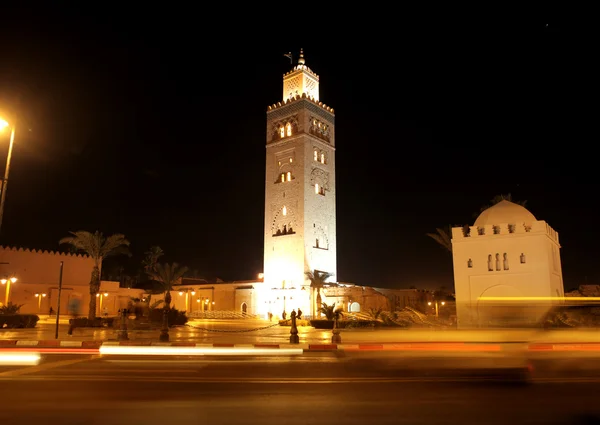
(319, 189)
(285, 177)
(285, 230)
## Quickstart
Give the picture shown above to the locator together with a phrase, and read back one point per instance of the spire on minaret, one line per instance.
(301, 58)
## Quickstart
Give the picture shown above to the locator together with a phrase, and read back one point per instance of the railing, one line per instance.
(222, 314)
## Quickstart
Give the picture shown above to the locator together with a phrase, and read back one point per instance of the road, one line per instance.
(314, 388)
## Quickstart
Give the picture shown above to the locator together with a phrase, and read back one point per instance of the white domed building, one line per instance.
(508, 262)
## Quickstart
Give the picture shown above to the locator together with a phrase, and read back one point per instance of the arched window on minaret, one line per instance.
(497, 262)
(289, 176)
(282, 132)
(322, 158)
(490, 268)
(289, 129)
(505, 261)
(316, 153)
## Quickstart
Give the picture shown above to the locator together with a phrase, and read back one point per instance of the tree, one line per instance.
(317, 279)
(98, 247)
(443, 236)
(151, 258)
(375, 313)
(330, 311)
(167, 275)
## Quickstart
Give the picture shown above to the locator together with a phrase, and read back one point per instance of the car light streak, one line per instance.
(19, 359)
(197, 351)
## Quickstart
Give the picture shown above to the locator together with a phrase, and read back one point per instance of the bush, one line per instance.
(176, 317)
(11, 308)
(300, 322)
(18, 320)
(322, 324)
(344, 324)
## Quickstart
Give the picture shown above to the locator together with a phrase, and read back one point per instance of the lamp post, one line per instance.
(3, 125)
(437, 307)
(7, 282)
(188, 298)
(101, 296)
(39, 297)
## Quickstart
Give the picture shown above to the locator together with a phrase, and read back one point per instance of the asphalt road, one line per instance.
(314, 388)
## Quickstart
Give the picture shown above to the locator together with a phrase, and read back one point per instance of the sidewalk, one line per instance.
(260, 332)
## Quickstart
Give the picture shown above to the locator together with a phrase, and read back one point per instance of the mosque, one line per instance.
(506, 253)
(507, 263)
(299, 232)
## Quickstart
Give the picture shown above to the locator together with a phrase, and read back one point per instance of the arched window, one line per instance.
(505, 261)
(282, 132)
(497, 262)
(282, 177)
(316, 155)
(490, 268)
(322, 158)
(284, 210)
(289, 129)
(317, 188)
(289, 176)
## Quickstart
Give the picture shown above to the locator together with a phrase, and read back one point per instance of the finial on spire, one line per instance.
(301, 58)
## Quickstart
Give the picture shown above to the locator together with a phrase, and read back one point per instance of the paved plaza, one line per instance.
(256, 331)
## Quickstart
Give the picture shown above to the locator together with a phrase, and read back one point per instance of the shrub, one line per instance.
(300, 322)
(176, 317)
(10, 308)
(18, 320)
(322, 324)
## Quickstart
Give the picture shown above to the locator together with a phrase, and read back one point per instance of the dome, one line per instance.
(505, 212)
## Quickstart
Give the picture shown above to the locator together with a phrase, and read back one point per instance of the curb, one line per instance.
(52, 343)
(404, 346)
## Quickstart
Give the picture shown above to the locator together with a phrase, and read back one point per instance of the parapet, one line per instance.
(504, 229)
(299, 97)
(43, 252)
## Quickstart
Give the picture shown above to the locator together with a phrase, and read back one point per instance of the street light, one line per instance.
(100, 304)
(39, 297)
(3, 125)
(7, 282)
(437, 308)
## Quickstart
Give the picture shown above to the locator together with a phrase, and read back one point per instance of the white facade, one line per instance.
(300, 214)
(506, 253)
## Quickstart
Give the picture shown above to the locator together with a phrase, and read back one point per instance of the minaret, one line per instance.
(300, 221)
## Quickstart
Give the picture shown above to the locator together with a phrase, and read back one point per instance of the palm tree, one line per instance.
(167, 275)
(98, 247)
(151, 258)
(443, 236)
(375, 313)
(317, 281)
(330, 311)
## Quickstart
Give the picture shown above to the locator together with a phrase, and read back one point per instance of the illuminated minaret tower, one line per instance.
(300, 224)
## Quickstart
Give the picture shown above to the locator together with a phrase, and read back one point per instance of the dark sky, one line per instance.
(152, 124)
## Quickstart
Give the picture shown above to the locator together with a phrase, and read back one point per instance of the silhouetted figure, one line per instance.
(299, 314)
(283, 315)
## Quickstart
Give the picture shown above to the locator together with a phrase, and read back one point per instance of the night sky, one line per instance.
(153, 125)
